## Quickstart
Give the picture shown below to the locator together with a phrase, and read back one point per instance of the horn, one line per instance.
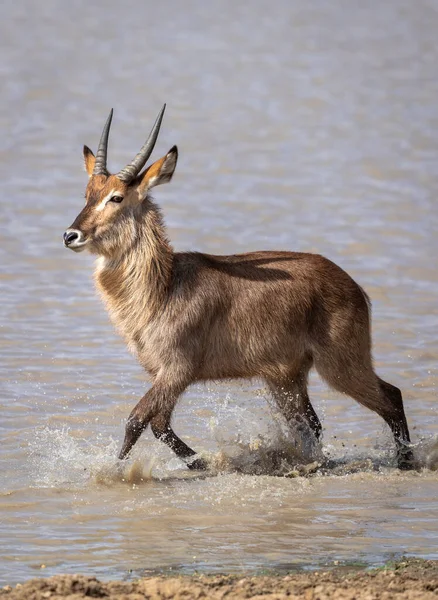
(133, 169)
(100, 164)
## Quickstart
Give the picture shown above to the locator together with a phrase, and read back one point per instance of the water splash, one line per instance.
(275, 449)
(426, 453)
(61, 459)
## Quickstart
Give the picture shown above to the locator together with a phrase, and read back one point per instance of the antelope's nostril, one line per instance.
(71, 236)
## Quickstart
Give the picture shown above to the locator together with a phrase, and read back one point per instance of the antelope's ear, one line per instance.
(89, 160)
(159, 172)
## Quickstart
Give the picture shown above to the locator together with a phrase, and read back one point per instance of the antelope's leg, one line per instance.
(291, 397)
(160, 398)
(353, 374)
(396, 419)
(164, 432)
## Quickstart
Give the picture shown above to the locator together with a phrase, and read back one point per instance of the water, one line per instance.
(309, 127)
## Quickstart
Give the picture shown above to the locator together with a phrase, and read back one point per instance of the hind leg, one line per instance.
(396, 420)
(354, 376)
(291, 397)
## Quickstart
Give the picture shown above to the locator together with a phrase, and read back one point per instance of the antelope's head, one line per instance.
(115, 203)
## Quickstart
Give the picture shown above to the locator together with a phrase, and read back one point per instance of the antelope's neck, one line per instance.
(135, 286)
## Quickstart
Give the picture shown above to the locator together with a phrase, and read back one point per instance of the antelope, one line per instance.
(191, 317)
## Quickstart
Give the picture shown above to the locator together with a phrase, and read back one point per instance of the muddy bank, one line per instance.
(410, 578)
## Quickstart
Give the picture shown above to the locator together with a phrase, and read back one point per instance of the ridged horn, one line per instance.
(133, 169)
(100, 164)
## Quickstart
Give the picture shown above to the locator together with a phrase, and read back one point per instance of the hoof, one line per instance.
(406, 461)
(199, 464)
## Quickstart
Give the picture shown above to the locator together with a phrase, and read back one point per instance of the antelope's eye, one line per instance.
(117, 199)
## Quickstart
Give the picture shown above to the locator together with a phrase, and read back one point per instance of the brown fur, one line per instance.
(193, 317)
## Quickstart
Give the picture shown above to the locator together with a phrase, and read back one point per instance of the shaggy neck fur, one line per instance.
(134, 281)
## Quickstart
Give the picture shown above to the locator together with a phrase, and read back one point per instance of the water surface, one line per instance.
(307, 126)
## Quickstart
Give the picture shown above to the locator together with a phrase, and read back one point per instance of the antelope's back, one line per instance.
(262, 310)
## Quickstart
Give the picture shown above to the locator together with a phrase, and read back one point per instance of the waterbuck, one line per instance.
(190, 316)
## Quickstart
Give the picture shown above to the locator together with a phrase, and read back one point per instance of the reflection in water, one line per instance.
(311, 128)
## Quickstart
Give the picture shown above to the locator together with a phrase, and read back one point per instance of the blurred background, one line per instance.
(307, 126)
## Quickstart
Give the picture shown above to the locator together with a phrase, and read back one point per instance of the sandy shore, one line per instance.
(410, 578)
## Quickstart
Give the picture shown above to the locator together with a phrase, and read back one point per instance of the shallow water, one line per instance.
(309, 127)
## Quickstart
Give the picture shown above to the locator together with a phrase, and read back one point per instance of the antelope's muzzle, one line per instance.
(74, 239)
